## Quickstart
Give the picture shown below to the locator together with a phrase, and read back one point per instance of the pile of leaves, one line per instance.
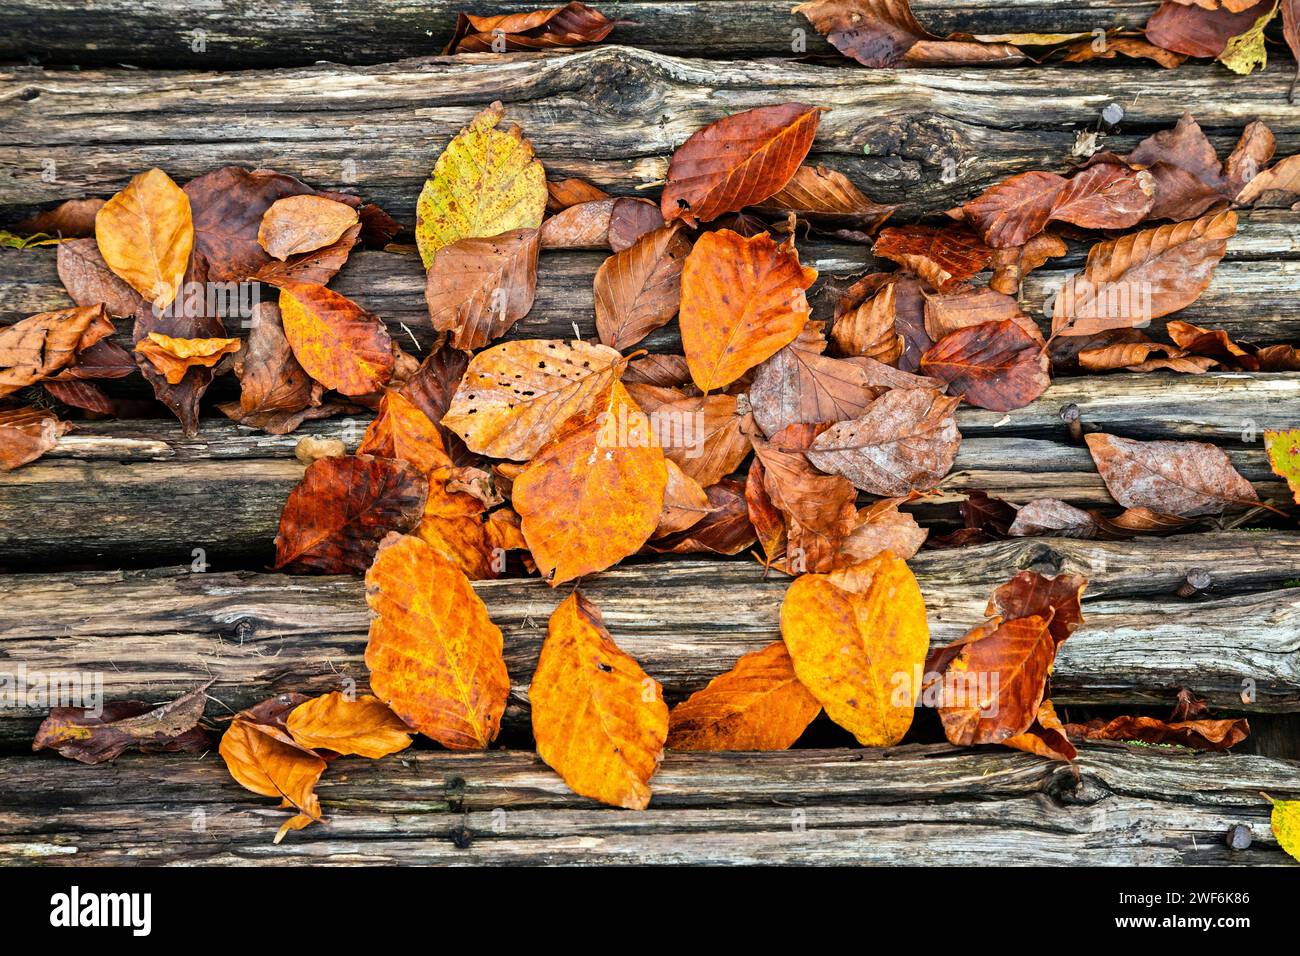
(575, 455)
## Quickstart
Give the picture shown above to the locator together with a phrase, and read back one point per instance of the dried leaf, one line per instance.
(593, 496)
(704, 435)
(945, 314)
(996, 365)
(40, 345)
(1030, 594)
(574, 24)
(263, 758)
(1048, 516)
(799, 385)
(882, 527)
(1199, 32)
(943, 256)
(1197, 734)
(174, 357)
(486, 182)
(70, 219)
(742, 301)
(434, 655)
(757, 705)
(1184, 478)
(361, 726)
(340, 344)
(725, 529)
(830, 198)
(638, 289)
(1010, 266)
(1245, 51)
(477, 289)
(737, 161)
(1282, 179)
(858, 639)
(884, 33)
(26, 434)
(1284, 457)
(89, 280)
(145, 234)
(336, 516)
(275, 391)
(403, 431)
(600, 722)
(515, 397)
(298, 224)
(92, 737)
(1285, 823)
(868, 328)
(905, 441)
(1045, 737)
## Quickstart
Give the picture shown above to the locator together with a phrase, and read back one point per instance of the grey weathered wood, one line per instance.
(927, 805)
(242, 34)
(150, 634)
(925, 138)
(1252, 295)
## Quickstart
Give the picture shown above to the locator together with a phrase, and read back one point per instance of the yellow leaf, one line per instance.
(593, 496)
(174, 357)
(364, 726)
(1284, 457)
(757, 705)
(858, 638)
(1246, 51)
(145, 234)
(434, 654)
(486, 182)
(599, 721)
(1286, 825)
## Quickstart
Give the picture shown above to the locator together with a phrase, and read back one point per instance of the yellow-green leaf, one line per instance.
(1246, 50)
(1286, 825)
(1284, 457)
(486, 182)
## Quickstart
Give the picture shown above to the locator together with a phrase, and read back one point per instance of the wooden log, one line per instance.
(921, 805)
(1252, 295)
(924, 138)
(151, 634)
(241, 34)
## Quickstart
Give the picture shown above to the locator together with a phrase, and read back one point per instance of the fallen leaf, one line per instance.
(361, 726)
(305, 223)
(884, 33)
(1011, 265)
(70, 219)
(563, 193)
(486, 182)
(858, 639)
(1285, 822)
(174, 357)
(263, 758)
(515, 397)
(882, 527)
(945, 314)
(477, 289)
(996, 365)
(737, 161)
(1196, 31)
(40, 345)
(704, 435)
(1245, 51)
(89, 280)
(638, 289)
(725, 529)
(335, 517)
(1283, 179)
(1284, 457)
(1184, 478)
(599, 721)
(1291, 33)
(830, 198)
(276, 393)
(1030, 594)
(434, 655)
(403, 431)
(340, 344)
(1049, 516)
(1045, 737)
(574, 24)
(92, 737)
(593, 496)
(145, 234)
(868, 328)
(742, 301)
(757, 705)
(1082, 51)
(905, 441)
(685, 502)
(800, 385)
(1197, 734)
(26, 434)
(943, 256)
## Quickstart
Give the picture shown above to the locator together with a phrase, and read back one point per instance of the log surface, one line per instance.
(911, 805)
(151, 634)
(274, 33)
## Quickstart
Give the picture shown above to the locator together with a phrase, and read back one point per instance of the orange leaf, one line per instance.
(403, 431)
(341, 509)
(297, 224)
(742, 301)
(263, 758)
(943, 256)
(1045, 737)
(145, 234)
(340, 344)
(40, 345)
(363, 726)
(174, 357)
(514, 397)
(599, 721)
(434, 654)
(757, 705)
(26, 434)
(858, 638)
(738, 161)
(595, 495)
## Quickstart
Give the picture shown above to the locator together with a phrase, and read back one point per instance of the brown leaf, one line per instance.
(757, 705)
(725, 529)
(90, 281)
(1197, 734)
(1030, 594)
(564, 193)
(298, 224)
(1142, 276)
(829, 197)
(638, 289)
(742, 301)
(1045, 737)
(1011, 265)
(581, 226)
(884, 33)
(882, 527)
(96, 737)
(434, 655)
(1083, 51)
(477, 289)
(737, 161)
(515, 397)
(599, 720)
(995, 365)
(905, 441)
(1183, 478)
(685, 503)
(1254, 149)
(403, 431)
(1291, 33)
(85, 395)
(70, 219)
(274, 388)
(336, 516)
(1278, 185)
(1197, 31)
(337, 342)
(704, 435)
(799, 385)
(945, 314)
(943, 256)
(40, 345)
(868, 328)
(316, 268)
(1048, 516)
(574, 24)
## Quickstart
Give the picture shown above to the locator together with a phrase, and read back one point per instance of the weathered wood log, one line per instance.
(151, 634)
(922, 805)
(1252, 295)
(924, 138)
(138, 493)
(241, 34)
